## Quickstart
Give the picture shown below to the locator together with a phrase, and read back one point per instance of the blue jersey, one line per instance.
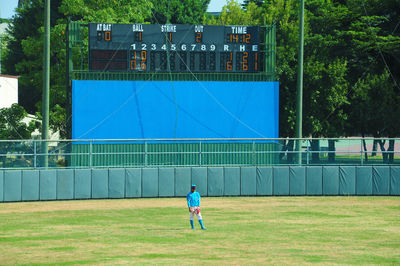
(193, 199)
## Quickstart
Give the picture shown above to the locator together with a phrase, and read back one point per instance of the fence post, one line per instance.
(200, 153)
(298, 151)
(254, 153)
(362, 151)
(145, 153)
(34, 155)
(308, 153)
(90, 154)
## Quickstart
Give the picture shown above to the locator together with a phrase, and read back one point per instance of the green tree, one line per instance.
(5, 20)
(113, 11)
(259, 3)
(285, 15)
(234, 14)
(3, 50)
(376, 110)
(178, 11)
(12, 127)
(11, 124)
(374, 53)
(373, 49)
(25, 48)
(325, 70)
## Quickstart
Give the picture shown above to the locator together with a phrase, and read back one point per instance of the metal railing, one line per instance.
(27, 154)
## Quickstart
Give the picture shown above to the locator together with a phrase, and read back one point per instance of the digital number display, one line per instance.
(238, 38)
(176, 48)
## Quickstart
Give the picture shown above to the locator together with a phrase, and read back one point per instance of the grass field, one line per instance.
(245, 231)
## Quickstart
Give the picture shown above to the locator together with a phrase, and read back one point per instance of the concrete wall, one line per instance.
(67, 184)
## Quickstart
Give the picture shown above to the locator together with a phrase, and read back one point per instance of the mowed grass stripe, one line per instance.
(242, 230)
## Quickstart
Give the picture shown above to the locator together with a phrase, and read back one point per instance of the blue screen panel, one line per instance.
(179, 109)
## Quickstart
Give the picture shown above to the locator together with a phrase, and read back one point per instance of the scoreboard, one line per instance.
(174, 47)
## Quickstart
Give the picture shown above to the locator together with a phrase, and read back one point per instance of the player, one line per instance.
(193, 202)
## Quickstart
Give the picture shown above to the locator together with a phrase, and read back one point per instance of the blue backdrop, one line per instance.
(179, 109)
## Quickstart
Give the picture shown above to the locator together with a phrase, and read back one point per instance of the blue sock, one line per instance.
(201, 224)
(191, 223)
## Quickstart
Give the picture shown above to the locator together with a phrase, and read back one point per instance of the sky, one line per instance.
(7, 7)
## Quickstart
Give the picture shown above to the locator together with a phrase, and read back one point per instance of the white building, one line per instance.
(8, 90)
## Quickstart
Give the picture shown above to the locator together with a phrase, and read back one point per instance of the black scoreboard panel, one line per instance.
(176, 48)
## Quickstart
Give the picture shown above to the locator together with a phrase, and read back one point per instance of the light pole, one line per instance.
(299, 111)
(46, 84)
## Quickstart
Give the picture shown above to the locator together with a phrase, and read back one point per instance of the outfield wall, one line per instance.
(68, 184)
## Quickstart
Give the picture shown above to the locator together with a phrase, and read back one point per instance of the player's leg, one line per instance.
(191, 220)
(200, 218)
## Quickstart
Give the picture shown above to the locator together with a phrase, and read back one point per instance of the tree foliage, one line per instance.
(25, 50)
(233, 14)
(113, 11)
(259, 3)
(178, 11)
(11, 124)
(373, 49)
